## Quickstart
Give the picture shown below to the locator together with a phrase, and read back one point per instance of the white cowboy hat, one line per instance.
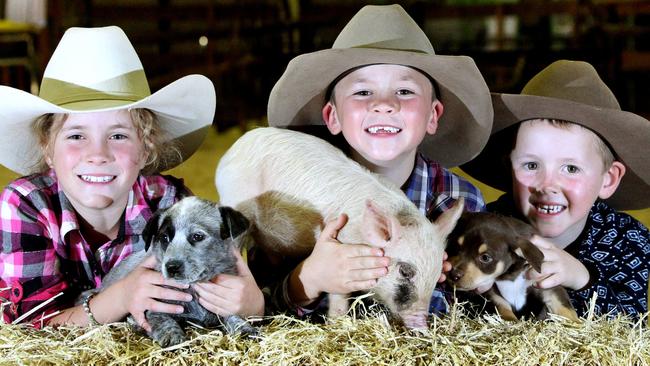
(97, 69)
(386, 34)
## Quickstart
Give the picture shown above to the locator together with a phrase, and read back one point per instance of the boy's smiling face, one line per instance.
(558, 173)
(384, 112)
(97, 157)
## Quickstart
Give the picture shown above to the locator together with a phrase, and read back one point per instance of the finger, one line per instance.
(549, 281)
(445, 256)
(362, 263)
(541, 243)
(442, 278)
(446, 267)
(361, 285)
(163, 307)
(368, 274)
(332, 228)
(362, 250)
(141, 321)
(170, 294)
(149, 262)
(242, 267)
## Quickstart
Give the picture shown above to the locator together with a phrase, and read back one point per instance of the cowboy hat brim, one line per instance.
(176, 107)
(299, 96)
(623, 131)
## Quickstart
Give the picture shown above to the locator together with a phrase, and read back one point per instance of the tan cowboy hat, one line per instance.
(387, 35)
(97, 69)
(571, 91)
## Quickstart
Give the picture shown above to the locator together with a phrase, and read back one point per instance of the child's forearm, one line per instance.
(103, 307)
(301, 292)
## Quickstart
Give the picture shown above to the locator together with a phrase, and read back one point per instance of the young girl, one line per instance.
(92, 133)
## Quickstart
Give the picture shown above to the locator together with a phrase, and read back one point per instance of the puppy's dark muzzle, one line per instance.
(174, 268)
(455, 275)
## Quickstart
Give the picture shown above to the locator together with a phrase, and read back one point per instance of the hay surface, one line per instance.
(452, 340)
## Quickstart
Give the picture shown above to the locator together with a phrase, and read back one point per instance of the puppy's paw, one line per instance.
(168, 337)
(248, 331)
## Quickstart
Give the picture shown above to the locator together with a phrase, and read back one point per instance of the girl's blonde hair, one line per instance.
(159, 149)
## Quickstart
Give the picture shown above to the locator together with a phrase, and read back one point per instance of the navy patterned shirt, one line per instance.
(615, 248)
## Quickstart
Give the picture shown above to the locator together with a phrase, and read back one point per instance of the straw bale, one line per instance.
(454, 339)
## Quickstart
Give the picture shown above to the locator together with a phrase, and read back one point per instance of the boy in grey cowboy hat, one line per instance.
(397, 104)
(568, 158)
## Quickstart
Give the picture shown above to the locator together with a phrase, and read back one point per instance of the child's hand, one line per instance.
(141, 289)
(334, 267)
(559, 267)
(232, 294)
(446, 267)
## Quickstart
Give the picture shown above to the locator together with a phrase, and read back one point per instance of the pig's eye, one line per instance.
(197, 237)
(485, 258)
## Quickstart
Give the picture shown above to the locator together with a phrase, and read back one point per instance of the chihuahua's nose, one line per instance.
(455, 275)
(174, 268)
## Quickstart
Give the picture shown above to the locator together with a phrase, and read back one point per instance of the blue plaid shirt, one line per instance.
(433, 189)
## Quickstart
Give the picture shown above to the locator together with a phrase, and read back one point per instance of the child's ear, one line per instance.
(331, 119)
(436, 112)
(612, 179)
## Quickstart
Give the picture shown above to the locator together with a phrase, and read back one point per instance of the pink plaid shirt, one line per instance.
(44, 253)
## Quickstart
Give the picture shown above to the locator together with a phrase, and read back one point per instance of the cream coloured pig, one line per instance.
(287, 183)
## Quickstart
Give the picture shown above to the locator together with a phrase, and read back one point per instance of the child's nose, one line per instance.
(98, 153)
(546, 183)
(385, 104)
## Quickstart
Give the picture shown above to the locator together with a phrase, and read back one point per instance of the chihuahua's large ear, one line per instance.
(151, 228)
(233, 222)
(527, 250)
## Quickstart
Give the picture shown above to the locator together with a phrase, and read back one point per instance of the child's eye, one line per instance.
(119, 136)
(530, 165)
(363, 93)
(405, 92)
(572, 169)
(74, 137)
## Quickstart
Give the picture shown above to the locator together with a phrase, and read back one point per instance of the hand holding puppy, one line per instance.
(334, 267)
(559, 267)
(141, 290)
(228, 294)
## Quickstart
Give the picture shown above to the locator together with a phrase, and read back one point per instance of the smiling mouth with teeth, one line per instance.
(383, 129)
(97, 179)
(549, 209)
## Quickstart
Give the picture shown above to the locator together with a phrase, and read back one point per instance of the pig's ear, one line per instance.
(447, 220)
(378, 228)
(527, 250)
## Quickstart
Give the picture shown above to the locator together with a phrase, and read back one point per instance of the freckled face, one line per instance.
(97, 157)
(558, 174)
(383, 111)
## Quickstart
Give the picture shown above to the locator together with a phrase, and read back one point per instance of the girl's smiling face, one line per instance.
(97, 157)
(558, 173)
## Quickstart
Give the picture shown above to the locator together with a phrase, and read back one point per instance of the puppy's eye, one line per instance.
(485, 258)
(196, 237)
(163, 238)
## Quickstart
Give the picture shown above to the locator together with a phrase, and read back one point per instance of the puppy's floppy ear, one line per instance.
(151, 228)
(527, 250)
(233, 222)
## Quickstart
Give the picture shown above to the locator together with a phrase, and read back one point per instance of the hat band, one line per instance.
(130, 87)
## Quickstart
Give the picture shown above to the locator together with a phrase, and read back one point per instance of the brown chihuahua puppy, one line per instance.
(487, 250)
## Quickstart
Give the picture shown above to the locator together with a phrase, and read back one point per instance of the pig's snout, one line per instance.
(416, 321)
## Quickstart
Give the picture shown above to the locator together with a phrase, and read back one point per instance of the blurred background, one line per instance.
(243, 46)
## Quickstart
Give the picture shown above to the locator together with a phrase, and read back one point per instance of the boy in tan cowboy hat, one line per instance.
(572, 157)
(89, 138)
(383, 87)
